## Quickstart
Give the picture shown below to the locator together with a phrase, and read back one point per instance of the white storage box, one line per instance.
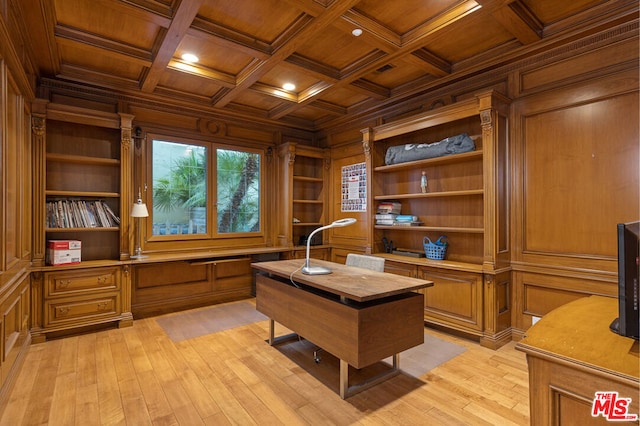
(63, 252)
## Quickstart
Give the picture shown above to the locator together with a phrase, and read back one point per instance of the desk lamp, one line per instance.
(321, 270)
(139, 211)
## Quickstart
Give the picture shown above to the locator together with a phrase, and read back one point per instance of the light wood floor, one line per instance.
(138, 376)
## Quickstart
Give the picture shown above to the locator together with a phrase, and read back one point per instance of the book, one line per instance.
(389, 207)
(386, 216)
(406, 218)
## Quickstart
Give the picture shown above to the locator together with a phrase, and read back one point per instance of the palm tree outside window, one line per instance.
(181, 197)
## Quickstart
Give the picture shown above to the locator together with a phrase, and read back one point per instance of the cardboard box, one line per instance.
(64, 252)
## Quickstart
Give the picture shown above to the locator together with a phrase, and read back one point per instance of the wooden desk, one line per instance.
(359, 316)
(571, 355)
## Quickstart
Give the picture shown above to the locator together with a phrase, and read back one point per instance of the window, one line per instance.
(238, 184)
(182, 200)
(179, 188)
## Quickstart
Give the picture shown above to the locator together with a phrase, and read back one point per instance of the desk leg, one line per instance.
(347, 391)
(271, 331)
(344, 379)
(273, 340)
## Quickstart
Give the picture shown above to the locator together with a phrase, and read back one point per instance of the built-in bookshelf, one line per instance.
(82, 190)
(82, 187)
(303, 170)
(463, 200)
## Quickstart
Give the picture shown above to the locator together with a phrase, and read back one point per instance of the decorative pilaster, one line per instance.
(126, 186)
(39, 146)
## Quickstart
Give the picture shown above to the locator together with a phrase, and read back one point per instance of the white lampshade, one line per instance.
(139, 209)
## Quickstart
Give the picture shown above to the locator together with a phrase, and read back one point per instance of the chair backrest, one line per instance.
(363, 261)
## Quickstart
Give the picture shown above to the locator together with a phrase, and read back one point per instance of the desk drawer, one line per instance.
(81, 311)
(79, 281)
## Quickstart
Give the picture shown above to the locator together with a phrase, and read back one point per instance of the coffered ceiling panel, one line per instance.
(248, 49)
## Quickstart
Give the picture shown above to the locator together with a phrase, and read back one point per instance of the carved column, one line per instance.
(126, 186)
(39, 143)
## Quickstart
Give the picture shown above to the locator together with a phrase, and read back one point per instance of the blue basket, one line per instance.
(437, 250)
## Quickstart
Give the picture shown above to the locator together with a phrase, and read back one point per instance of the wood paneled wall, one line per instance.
(572, 169)
(15, 226)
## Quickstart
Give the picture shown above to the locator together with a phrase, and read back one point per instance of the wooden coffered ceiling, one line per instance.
(248, 49)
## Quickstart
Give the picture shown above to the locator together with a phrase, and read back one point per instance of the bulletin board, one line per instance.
(354, 188)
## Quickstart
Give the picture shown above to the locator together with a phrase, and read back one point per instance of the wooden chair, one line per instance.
(360, 261)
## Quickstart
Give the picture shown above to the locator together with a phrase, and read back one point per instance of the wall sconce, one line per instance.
(139, 211)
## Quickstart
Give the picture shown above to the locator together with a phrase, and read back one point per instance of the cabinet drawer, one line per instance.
(81, 311)
(81, 281)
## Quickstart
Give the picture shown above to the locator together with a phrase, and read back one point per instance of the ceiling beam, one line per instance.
(184, 16)
(413, 40)
(519, 21)
(430, 62)
(312, 29)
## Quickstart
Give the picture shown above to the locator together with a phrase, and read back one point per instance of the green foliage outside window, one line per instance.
(238, 191)
(180, 190)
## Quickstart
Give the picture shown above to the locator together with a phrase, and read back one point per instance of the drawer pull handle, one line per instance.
(102, 306)
(63, 311)
(65, 283)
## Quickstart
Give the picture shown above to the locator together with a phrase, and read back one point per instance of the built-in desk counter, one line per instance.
(572, 354)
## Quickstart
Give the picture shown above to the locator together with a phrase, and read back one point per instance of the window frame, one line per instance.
(212, 190)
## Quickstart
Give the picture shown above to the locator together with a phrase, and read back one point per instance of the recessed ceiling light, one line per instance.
(190, 57)
(289, 86)
(357, 32)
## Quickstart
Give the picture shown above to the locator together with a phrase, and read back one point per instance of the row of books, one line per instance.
(80, 214)
(392, 219)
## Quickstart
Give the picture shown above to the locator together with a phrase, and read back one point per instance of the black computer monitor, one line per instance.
(628, 321)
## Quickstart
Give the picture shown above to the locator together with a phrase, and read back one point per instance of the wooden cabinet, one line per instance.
(303, 172)
(454, 300)
(466, 201)
(82, 192)
(162, 287)
(81, 297)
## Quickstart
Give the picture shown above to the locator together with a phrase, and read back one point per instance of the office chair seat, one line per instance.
(363, 261)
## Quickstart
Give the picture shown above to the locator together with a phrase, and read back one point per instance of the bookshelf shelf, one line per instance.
(449, 159)
(430, 195)
(308, 201)
(401, 228)
(82, 159)
(92, 229)
(81, 194)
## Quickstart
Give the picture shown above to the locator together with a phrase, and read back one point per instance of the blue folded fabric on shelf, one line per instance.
(411, 152)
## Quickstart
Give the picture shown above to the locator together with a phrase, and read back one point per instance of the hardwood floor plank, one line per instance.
(86, 361)
(87, 405)
(155, 399)
(40, 400)
(138, 375)
(111, 410)
(63, 402)
(133, 402)
(18, 403)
